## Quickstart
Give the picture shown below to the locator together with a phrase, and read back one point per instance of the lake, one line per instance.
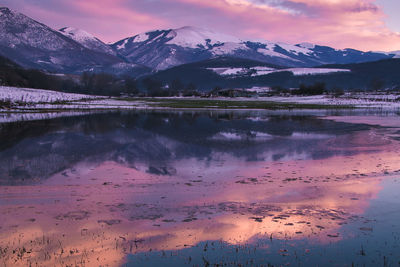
(201, 188)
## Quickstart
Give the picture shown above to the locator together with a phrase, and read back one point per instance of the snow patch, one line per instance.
(314, 71)
(77, 34)
(259, 90)
(192, 37)
(261, 70)
(230, 71)
(55, 60)
(141, 38)
(395, 53)
(272, 53)
(122, 46)
(228, 48)
(28, 95)
(86, 39)
(297, 50)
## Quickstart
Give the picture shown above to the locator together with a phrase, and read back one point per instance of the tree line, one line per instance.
(90, 83)
(110, 85)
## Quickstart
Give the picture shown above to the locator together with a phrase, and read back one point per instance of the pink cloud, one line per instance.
(108, 20)
(114, 21)
(339, 23)
(357, 24)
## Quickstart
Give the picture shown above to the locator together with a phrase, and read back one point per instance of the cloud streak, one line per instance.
(339, 23)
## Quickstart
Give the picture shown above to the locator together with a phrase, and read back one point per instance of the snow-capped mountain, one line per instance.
(162, 49)
(32, 44)
(87, 40)
(396, 54)
(35, 45)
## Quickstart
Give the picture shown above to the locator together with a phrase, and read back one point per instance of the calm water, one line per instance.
(201, 189)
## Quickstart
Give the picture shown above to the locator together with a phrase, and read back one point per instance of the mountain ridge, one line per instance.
(172, 47)
(87, 40)
(32, 44)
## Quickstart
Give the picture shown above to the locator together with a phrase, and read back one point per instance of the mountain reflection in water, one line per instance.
(106, 188)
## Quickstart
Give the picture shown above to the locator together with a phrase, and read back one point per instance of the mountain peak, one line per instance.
(4, 9)
(7, 14)
(194, 37)
(188, 27)
(161, 49)
(76, 34)
(32, 44)
(192, 29)
(87, 40)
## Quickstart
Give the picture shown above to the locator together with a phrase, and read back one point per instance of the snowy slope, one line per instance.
(258, 71)
(193, 37)
(162, 49)
(87, 40)
(34, 45)
(396, 54)
(28, 95)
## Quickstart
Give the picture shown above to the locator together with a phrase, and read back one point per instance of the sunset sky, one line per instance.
(360, 24)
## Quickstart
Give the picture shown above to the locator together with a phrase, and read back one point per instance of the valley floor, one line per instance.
(26, 104)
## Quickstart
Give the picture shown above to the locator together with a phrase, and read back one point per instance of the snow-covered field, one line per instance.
(314, 71)
(258, 71)
(27, 103)
(23, 100)
(358, 100)
(27, 95)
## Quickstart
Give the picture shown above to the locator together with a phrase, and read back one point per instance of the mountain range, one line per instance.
(163, 49)
(32, 44)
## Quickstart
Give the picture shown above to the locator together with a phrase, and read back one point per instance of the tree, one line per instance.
(337, 92)
(131, 86)
(175, 87)
(153, 87)
(315, 89)
(377, 84)
(86, 81)
(190, 90)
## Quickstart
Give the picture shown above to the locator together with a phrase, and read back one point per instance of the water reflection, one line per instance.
(33, 151)
(97, 188)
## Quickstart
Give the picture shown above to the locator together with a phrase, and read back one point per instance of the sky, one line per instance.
(369, 25)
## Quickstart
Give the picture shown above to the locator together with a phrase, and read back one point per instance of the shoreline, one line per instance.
(26, 100)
